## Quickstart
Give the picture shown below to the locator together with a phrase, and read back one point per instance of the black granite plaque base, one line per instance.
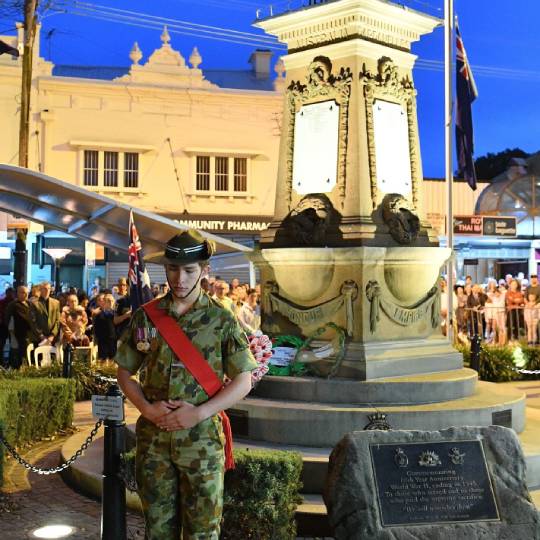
(433, 482)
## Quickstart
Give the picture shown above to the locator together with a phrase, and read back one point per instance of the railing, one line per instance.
(498, 325)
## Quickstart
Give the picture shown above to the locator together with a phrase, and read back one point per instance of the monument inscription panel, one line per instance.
(316, 131)
(433, 482)
(392, 150)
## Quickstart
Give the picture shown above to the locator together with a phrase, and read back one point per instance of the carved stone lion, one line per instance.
(320, 71)
(309, 221)
(403, 224)
(388, 72)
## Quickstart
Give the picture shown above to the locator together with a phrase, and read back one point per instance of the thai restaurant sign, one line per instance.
(485, 226)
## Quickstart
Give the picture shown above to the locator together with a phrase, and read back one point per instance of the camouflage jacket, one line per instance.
(213, 330)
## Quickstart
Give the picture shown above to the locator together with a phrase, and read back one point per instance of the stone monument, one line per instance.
(350, 245)
(349, 242)
(462, 483)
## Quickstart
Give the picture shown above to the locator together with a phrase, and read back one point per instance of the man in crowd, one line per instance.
(123, 308)
(47, 315)
(534, 287)
(9, 296)
(21, 318)
(222, 289)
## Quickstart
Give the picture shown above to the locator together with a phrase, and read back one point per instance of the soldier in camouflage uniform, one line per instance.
(180, 459)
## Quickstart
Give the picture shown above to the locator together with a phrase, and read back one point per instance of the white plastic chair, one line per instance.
(43, 355)
(29, 357)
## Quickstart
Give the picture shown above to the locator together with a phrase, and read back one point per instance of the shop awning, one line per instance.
(77, 211)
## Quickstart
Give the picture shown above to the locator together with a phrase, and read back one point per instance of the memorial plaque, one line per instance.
(502, 418)
(392, 150)
(433, 482)
(316, 130)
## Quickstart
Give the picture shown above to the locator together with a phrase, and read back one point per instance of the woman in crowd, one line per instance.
(514, 302)
(249, 315)
(73, 321)
(475, 307)
(530, 313)
(461, 313)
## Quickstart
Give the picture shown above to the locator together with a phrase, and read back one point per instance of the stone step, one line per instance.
(323, 424)
(315, 460)
(405, 390)
(86, 473)
(311, 517)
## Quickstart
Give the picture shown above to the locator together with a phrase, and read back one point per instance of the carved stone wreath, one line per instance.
(387, 85)
(321, 85)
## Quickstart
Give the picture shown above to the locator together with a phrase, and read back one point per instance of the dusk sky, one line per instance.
(502, 45)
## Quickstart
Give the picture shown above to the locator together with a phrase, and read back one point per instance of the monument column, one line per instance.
(355, 53)
(349, 243)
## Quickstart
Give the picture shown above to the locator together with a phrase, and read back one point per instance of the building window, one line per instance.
(110, 169)
(91, 167)
(131, 170)
(222, 174)
(240, 174)
(202, 174)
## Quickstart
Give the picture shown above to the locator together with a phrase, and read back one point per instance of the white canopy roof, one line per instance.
(77, 211)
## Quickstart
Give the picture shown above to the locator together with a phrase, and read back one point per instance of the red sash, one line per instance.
(195, 363)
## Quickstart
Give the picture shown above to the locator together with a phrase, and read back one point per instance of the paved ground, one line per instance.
(40, 500)
(32, 501)
(531, 388)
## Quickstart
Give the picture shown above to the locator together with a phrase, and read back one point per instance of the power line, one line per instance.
(486, 71)
(175, 31)
(145, 17)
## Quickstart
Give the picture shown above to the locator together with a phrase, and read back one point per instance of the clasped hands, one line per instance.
(172, 415)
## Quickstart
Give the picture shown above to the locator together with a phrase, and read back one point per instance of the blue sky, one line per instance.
(498, 37)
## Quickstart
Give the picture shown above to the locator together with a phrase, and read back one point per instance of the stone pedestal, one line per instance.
(386, 298)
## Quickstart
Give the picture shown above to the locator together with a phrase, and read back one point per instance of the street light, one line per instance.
(57, 255)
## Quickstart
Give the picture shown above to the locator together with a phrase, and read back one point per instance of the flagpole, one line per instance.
(448, 94)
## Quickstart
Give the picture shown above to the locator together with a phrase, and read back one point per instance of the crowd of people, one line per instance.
(33, 316)
(499, 312)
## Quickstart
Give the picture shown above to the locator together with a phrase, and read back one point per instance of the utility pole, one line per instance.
(30, 26)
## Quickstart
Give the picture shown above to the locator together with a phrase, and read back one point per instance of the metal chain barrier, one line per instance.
(60, 468)
(527, 371)
(102, 378)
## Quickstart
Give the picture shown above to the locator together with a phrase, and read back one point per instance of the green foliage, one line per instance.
(532, 356)
(496, 364)
(34, 408)
(82, 376)
(491, 165)
(261, 494)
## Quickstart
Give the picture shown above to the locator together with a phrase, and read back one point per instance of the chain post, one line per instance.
(113, 500)
(475, 352)
(66, 368)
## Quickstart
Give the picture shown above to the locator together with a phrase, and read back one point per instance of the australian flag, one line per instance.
(8, 49)
(139, 282)
(466, 93)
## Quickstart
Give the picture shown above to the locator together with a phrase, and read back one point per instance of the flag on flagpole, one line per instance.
(8, 49)
(466, 93)
(139, 282)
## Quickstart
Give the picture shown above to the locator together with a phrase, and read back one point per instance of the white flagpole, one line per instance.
(448, 95)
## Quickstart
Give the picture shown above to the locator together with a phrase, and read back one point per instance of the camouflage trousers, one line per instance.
(180, 480)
